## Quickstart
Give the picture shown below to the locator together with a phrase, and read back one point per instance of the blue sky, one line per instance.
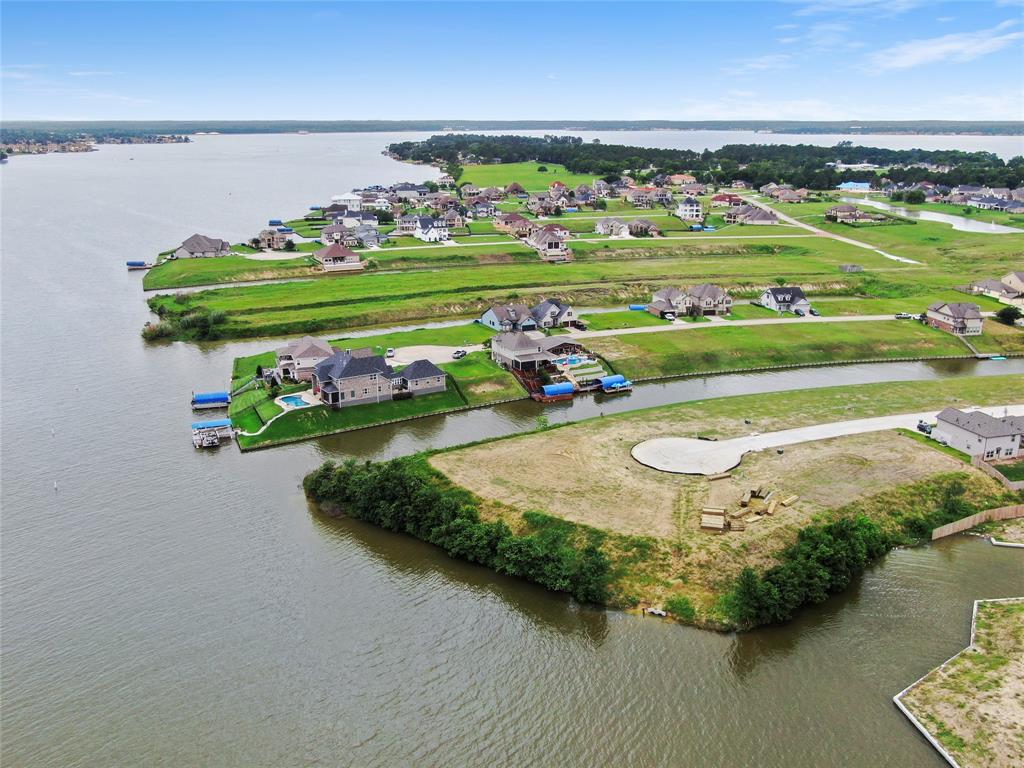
(791, 59)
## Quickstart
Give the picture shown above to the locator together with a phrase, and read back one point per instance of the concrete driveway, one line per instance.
(432, 352)
(688, 456)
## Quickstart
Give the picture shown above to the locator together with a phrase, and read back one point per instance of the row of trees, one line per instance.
(407, 495)
(803, 165)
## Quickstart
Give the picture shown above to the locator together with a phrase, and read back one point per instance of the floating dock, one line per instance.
(139, 265)
(613, 385)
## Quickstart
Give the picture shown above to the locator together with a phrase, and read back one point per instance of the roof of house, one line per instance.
(334, 229)
(544, 309)
(981, 424)
(428, 222)
(511, 313)
(307, 346)
(844, 208)
(706, 291)
(420, 369)
(760, 214)
(201, 243)
(335, 252)
(511, 218)
(960, 310)
(345, 365)
(668, 295)
(517, 341)
(690, 201)
(787, 294)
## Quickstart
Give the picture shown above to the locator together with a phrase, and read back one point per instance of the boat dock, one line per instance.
(208, 434)
(201, 400)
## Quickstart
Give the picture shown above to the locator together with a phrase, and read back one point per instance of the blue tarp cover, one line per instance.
(210, 397)
(638, 307)
(607, 381)
(211, 424)
(136, 263)
(274, 222)
(564, 388)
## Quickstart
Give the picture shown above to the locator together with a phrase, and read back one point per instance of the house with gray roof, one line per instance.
(200, 246)
(430, 230)
(976, 433)
(338, 258)
(509, 317)
(700, 300)
(358, 377)
(518, 351)
(552, 313)
(297, 359)
(957, 317)
(785, 299)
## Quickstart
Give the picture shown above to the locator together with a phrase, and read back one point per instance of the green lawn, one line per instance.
(721, 348)
(450, 336)
(181, 273)
(926, 440)
(483, 381)
(503, 174)
(604, 321)
(244, 368)
(999, 339)
(1014, 471)
(318, 420)
(752, 312)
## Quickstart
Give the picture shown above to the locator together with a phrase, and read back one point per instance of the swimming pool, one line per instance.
(295, 401)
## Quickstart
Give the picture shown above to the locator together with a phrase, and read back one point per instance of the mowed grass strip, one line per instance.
(605, 321)
(717, 348)
(483, 381)
(181, 273)
(320, 420)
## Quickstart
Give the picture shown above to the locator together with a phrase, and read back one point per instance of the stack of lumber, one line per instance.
(713, 519)
(788, 501)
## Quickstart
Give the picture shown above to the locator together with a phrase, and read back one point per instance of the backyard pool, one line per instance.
(295, 401)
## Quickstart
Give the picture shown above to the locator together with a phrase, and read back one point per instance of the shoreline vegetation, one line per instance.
(566, 507)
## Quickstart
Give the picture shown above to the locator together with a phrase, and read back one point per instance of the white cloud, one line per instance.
(767, 63)
(958, 47)
(873, 7)
(18, 71)
(90, 73)
(827, 35)
(787, 40)
(787, 26)
(945, 19)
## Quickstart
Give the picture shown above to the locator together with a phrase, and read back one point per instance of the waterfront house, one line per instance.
(200, 246)
(840, 213)
(976, 433)
(785, 299)
(410, 192)
(338, 258)
(354, 218)
(518, 351)
(509, 317)
(611, 226)
(420, 377)
(353, 201)
(690, 209)
(430, 230)
(960, 318)
(552, 313)
(297, 359)
(272, 239)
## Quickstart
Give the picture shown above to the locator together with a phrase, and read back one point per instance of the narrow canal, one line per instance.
(166, 606)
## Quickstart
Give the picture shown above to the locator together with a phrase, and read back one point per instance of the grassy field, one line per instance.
(583, 473)
(604, 321)
(181, 273)
(244, 368)
(503, 174)
(449, 336)
(377, 298)
(999, 339)
(1014, 471)
(735, 347)
(481, 380)
(974, 704)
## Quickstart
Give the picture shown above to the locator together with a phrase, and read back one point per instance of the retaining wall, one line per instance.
(966, 523)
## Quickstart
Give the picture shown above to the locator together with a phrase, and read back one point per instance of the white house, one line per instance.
(509, 317)
(689, 209)
(350, 200)
(553, 313)
(978, 434)
(785, 299)
(430, 230)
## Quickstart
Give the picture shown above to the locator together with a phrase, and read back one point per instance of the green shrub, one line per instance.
(407, 495)
(680, 607)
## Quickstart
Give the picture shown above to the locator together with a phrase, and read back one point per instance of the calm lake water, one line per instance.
(167, 606)
(961, 223)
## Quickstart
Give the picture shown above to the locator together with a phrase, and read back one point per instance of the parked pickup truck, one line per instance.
(903, 316)
(924, 426)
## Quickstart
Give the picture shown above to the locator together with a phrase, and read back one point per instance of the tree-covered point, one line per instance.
(803, 165)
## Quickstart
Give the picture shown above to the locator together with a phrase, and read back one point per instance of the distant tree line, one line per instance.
(409, 496)
(802, 165)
